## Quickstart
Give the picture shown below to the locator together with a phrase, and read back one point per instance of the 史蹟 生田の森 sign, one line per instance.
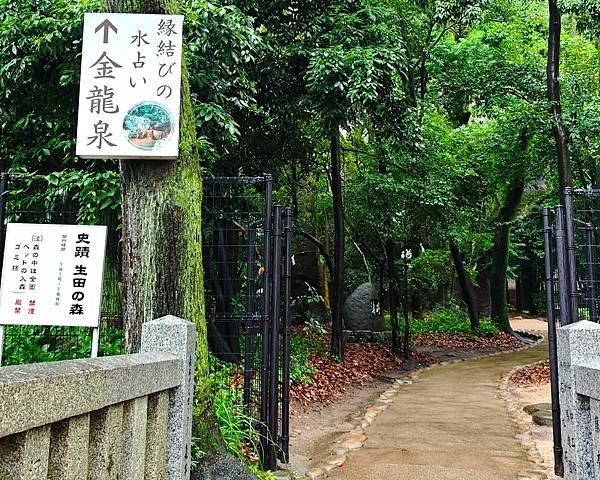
(130, 86)
(52, 275)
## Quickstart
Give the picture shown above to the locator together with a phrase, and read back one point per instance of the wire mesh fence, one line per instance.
(582, 217)
(572, 253)
(25, 200)
(234, 212)
(247, 266)
(247, 287)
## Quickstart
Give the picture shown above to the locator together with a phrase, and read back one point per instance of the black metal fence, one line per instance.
(247, 265)
(247, 269)
(572, 255)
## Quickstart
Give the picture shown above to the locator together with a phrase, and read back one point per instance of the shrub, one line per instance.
(302, 344)
(452, 319)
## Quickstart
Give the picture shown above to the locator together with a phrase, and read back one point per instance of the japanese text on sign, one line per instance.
(52, 275)
(130, 86)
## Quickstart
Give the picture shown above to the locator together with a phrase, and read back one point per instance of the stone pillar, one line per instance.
(577, 344)
(176, 336)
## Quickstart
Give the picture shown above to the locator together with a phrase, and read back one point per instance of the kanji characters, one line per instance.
(102, 100)
(101, 131)
(105, 66)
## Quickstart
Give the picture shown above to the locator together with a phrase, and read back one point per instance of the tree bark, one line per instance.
(466, 286)
(162, 239)
(394, 295)
(499, 267)
(559, 129)
(337, 303)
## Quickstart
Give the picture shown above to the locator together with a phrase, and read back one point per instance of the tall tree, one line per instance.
(559, 129)
(162, 249)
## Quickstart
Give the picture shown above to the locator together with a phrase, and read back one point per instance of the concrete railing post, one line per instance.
(176, 336)
(577, 343)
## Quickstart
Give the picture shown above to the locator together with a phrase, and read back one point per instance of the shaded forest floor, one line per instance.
(366, 363)
(340, 393)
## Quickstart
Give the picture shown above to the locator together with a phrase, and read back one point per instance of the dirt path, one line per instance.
(449, 425)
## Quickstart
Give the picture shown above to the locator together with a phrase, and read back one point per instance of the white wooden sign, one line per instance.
(52, 275)
(130, 86)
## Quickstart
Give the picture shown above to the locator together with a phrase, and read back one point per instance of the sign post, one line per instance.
(130, 86)
(52, 275)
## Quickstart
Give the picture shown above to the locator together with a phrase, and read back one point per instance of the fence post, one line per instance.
(249, 318)
(556, 427)
(285, 392)
(561, 264)
(274, 353)
(591, 292)
(571, 260)
(173, 335)
(265, 331)
(577, 343)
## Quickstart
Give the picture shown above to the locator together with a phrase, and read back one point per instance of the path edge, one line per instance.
(356, 438)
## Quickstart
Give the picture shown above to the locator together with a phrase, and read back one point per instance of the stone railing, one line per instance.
(579, 392)
(123, 417)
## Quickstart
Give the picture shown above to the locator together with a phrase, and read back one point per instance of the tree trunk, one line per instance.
(394, 295)
(466, 286)
(499, 267)
(337, 303)
(162, 240)
(406, 335)
(559, 129)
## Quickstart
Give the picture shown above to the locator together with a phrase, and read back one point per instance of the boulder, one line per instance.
(358, 309)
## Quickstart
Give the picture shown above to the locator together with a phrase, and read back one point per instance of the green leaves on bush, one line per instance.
(451, 319)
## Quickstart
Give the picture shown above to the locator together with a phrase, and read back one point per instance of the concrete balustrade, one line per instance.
(124, 417)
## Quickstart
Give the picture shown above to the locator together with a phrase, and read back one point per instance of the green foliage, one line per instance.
(452, 319)
(32, 344)
(587, 14)
(236, 425)
(303, 344)
(430, 271)
(221, 43)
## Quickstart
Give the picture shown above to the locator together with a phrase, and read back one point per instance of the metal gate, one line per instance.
(247, 265)
(572, 250)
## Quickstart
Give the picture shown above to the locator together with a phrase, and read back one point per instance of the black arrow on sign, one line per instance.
(106, 25)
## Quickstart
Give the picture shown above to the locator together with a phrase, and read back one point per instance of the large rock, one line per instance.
(358, 309)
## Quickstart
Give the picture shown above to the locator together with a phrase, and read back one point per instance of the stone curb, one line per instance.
(540, 470)
(356, 438)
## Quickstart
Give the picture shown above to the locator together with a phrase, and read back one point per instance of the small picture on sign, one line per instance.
(148, 125)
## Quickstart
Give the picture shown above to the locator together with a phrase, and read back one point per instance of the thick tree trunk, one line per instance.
(499, 267)
(337, 303)
(466, 286)
(162, 240)
(559, 129)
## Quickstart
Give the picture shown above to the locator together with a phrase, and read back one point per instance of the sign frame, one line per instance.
(130, 86)
(96, 328)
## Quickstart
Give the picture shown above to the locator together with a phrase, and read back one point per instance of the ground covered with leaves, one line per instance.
(464, 341)
(538, 374)
(320, 378)
(362, 364)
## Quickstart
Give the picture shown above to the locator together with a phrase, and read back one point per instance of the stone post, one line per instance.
(577, 344)
(176, 336)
